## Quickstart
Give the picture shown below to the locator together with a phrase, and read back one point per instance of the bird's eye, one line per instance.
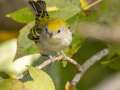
(59, 31)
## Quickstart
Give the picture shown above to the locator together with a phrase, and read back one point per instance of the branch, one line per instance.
(93, 4)
(91, 61)
(59, 58)
(72, 61)
(49, 61)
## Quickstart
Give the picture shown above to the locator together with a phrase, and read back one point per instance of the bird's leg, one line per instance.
(51, 58)
(61, 53)
(48, 57)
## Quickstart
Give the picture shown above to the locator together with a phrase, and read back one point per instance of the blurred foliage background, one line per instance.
(9, 28)
(105, 14)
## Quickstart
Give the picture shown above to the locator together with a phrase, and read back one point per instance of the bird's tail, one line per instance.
(41, 14)
(41, 18)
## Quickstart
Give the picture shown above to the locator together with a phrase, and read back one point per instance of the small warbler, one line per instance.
(49, 35)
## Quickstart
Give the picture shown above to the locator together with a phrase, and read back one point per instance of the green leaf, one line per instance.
(41, 80)
(115, 48)
(66, 10)
(24, 45)
(113, 62)
(11, 84)
(23, 15)
(69, 12)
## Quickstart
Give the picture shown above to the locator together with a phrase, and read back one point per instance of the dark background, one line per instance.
(9, 28)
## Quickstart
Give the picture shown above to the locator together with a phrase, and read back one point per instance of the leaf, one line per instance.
(20, 65)
(41, 80)
(11, 84)
(115, 48)
(69, 11)
(66, 10)
(7, 54)
(24, 45)
(7, 66)
(113, 62)
(23, 15)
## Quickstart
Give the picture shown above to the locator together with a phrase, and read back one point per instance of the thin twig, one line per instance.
(93, 4)
(91, 61)
(72, 61)
(59, 58)
(51, 60)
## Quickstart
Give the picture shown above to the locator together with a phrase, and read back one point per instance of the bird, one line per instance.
(50, 35)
